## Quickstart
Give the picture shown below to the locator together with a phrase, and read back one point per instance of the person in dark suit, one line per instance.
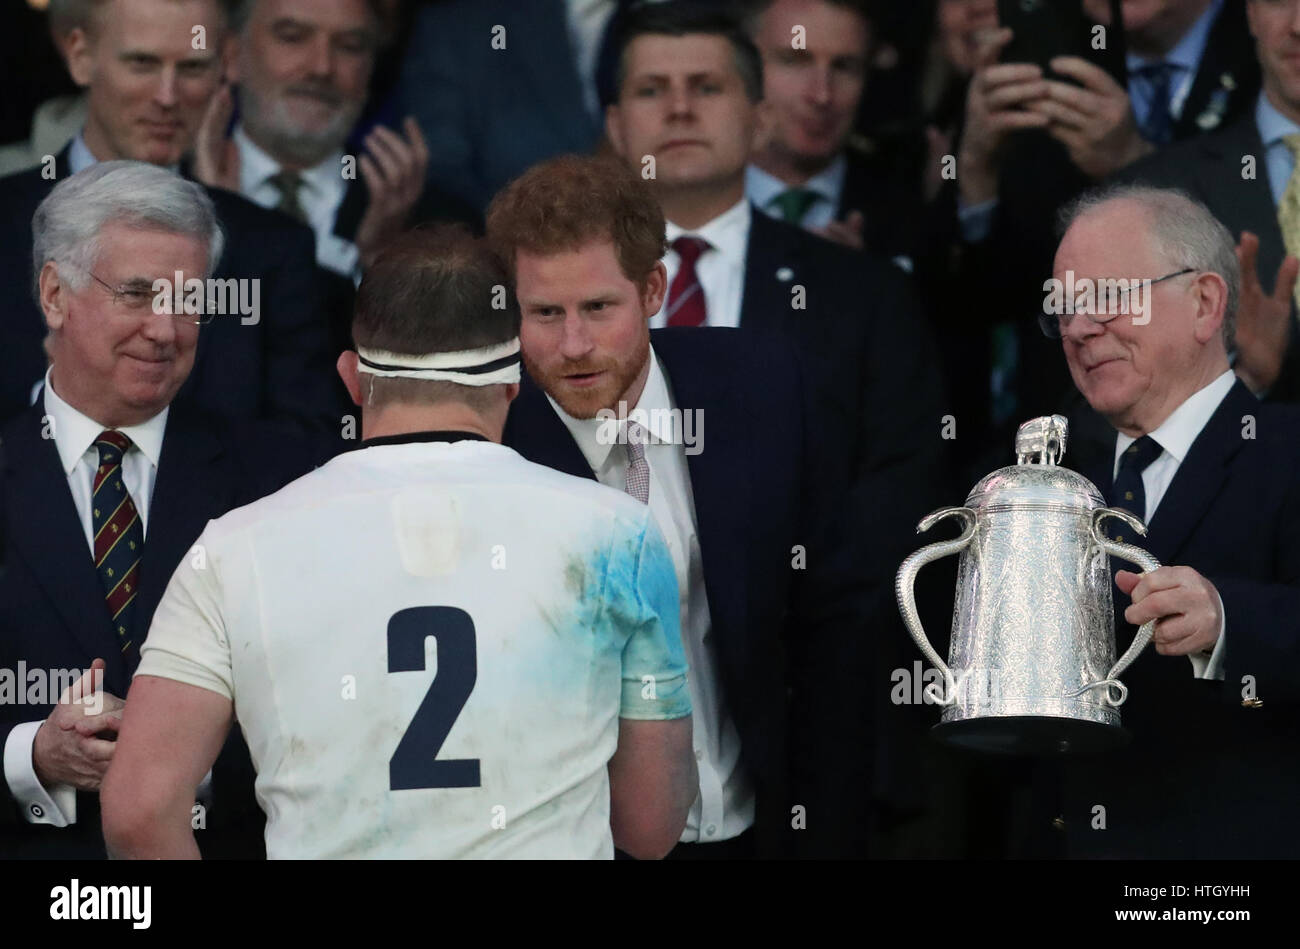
(1243, 173)
(868, 356)
(1177, 440)
(269, 357)
(288, 151)
(682, 419)
(813, 170)
(106, 485)
(499, 85)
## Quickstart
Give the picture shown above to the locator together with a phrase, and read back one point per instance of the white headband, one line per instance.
(491, 365)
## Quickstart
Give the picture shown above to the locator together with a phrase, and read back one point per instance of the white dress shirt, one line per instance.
(74, 439)
(1175, 435)
(320, 195)
(721, 268)
(725, 805)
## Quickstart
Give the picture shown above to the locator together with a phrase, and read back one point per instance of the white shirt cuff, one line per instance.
(56, 806)
(1211, 666)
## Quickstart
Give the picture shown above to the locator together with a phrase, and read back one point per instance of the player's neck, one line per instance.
(401, 418)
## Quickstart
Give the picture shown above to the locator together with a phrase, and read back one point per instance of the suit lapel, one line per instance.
(188, 491)
(1229, 55)
(771, 269)
(536, 432)
(351, 210)
(719, 483)
(1250, 205)
(1200, 476)
(47, 534)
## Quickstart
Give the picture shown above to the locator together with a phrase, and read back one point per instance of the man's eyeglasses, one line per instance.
(1110, 299)
(136, 298)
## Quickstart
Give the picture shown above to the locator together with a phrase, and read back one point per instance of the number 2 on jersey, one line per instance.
(414, 763)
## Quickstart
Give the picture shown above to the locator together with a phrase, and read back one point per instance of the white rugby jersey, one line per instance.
(428, 644)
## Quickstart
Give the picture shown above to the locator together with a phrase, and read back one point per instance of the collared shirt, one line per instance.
(1176, 435)
(725, 805)
(763, 188)
(74, 440)
(320, 195)
(721, 269)
(1278, 159)
(80, 157)
(1185, 56)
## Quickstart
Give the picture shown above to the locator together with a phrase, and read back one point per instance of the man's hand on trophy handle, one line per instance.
(1185, 605)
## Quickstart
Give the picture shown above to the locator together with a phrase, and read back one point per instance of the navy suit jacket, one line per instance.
(1207, 775)
(489, 114)
(52, 611)
(790, 641)
(280, 367)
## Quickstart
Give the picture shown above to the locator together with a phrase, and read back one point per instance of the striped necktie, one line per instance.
(686, 297)
(119, 534)
(1158, 126)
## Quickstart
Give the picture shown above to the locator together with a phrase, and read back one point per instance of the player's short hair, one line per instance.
(689, 18)
(434, 290)
(566, 203)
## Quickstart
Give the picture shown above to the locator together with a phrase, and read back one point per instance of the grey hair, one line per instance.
(67, 224)
(1185, 232)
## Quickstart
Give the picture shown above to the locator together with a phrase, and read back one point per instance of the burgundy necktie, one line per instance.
(686, 296)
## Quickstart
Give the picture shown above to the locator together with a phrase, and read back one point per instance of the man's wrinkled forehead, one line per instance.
(1110, 235)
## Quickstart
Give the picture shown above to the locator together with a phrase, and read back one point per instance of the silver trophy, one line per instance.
(1031, 666)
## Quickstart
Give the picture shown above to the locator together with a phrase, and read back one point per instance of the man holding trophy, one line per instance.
(1212, 770)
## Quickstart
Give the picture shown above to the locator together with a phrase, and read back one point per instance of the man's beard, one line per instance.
(272, 121)
(585, 403)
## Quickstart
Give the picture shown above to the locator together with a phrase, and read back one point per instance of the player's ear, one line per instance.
(512, 392)
(347, 367)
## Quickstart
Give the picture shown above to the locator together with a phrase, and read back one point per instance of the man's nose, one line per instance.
(819, 86)
(165, 93)
(1080, 328)
(681, 104)
(575, 341)
(160, 327)
(322, 57)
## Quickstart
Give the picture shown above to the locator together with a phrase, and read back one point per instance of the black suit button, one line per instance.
(37, 810)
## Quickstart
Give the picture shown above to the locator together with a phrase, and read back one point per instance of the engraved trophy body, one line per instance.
(1031, 666)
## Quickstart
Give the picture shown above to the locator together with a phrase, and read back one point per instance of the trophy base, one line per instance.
(1038, 735)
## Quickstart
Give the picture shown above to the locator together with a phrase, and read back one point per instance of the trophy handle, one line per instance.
(1148, 563)
(903, 589)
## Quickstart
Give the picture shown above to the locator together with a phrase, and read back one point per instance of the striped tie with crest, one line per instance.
(119, 534)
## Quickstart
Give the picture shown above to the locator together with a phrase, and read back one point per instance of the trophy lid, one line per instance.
(1036, 480)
